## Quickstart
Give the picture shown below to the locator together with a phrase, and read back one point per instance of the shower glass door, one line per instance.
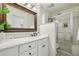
(64, 34)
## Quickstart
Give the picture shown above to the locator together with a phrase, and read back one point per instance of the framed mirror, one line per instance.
(20, 19)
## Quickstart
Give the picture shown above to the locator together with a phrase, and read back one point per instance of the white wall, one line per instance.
(44, 15)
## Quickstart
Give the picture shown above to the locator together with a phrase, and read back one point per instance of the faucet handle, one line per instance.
(34, 34)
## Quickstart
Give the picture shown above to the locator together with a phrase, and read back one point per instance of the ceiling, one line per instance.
(55, 7)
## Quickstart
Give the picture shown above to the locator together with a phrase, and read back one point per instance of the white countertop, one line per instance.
(19, 41)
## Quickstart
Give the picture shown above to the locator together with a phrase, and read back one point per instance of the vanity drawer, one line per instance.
(24, 54)
(41, 41)
(32, 52)
(28, 46)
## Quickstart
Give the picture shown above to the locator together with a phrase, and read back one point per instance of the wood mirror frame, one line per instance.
(2, 16)
(23, 9)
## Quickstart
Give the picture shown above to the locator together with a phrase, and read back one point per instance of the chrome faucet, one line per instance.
(34, 34)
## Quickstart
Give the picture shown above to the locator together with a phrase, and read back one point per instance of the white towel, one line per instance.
(50, 29)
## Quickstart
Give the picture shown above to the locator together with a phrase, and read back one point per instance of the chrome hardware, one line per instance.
(43, 45)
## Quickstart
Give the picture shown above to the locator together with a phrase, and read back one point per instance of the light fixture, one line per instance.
(29, 5)
(47, 5)
(34, 8)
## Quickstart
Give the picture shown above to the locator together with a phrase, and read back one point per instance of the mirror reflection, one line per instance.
(19, 19)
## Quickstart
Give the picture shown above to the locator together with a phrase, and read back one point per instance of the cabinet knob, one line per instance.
(43, 45)
(29, 53)
(30, 46)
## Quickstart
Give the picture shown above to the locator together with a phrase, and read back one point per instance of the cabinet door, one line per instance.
(27, 46)
(43, 49)
(13, 51)
(32, 52)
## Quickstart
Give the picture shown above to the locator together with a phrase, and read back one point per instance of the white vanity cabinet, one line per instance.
(43, 47)
(12, 51)
(35, 47)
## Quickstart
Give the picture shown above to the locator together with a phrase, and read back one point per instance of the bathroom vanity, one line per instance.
(21, 19)
(28, 46)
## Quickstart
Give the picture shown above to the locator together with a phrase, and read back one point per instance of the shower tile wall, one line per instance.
(75, 46)
(76, 26)
(75, 50)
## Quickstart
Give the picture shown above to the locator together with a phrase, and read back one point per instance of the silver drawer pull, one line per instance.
(29, 53)
(43, 45)
(29, 46)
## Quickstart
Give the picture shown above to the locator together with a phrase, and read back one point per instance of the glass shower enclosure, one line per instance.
(67, 27)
